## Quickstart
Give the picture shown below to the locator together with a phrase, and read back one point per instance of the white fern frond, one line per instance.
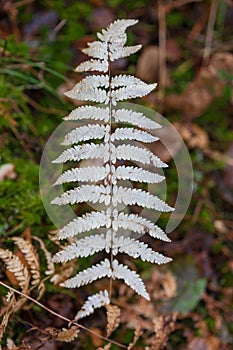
(131, 278)
(126, 80)
(134, 196)
(93, 302)
(115, 32)
(97, 49)
(84, 133)
(93, 65)
(93, 81)
(90, 94)
(138, 249)
(82, 248)
(89, 112)
(133, 134)
(138, 154)
(131, 91)
(120, 52)
(139, 225)
(89, 275)
(137, 174)
(87, 222)
(135, 118)
(85, 193)
(91, 173)
(85, 151)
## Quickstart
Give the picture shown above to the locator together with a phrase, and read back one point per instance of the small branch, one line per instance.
(62, 317)
(210, 31)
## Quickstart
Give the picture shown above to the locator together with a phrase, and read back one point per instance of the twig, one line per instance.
(162, 52)
(62, 317)
(210, 31)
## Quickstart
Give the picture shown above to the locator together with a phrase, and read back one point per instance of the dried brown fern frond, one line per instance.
(48, 256)
(113, 318)
(64, 335)
(15, 266)
(31, 258)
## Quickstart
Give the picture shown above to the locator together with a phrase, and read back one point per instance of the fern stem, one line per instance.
(110, 165)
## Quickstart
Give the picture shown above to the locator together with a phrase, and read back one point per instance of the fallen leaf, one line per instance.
(204, 89)
(208, 343)
(193, 135)
(148, 64)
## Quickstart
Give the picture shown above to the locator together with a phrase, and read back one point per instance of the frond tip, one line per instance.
(93, 302)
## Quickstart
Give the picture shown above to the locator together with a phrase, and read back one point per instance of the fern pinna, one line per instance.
(107, 229)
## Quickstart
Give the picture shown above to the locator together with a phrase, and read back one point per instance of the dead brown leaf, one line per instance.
(204, 89)
(208, 343)
(193, 135)
(148, 64)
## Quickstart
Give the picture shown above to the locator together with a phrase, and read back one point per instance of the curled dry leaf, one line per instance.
(205, 88)
(7, 171)
(163, 326)
(113, 318)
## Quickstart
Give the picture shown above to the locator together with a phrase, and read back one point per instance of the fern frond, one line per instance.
(124, 52)
(50, 266)
(131, 278)
(130, 196)
(91, 173)
(81, 248)
(85, 193)
(132, 134)
(137, 174)
(85, 151)
(138, 154)
(89, 275)
(131, 91)
(138, 249)
(87, 222)
(15, 266)
(135, 118)
(89, 112)
(115, 32)
(92, 65)
(90, 94)
(139, 225)
(84, 133)
(30, 256)
(93, 302)
(95, 81)
(113, 318)
(97, 49)
(126, 80)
